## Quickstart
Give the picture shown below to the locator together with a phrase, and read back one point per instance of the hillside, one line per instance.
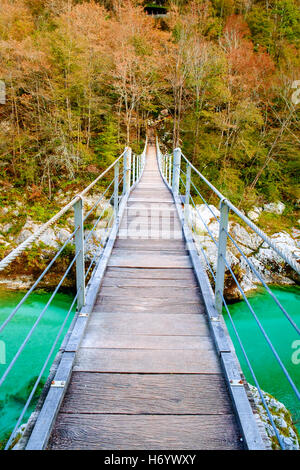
(84, 78)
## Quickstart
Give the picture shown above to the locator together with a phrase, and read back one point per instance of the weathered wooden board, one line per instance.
(162, 251)
(150, 304)
(148, 283)
(190, 293)
(147, 394)
(150, 273)
(164, 194)
(90, 431)
(153, 228)
(164, 222)
(149, 200)
(184, 361)
(117, 307)
(101, 339)
(165, 245)
(145, 232)
(149, 260)
(147, 324)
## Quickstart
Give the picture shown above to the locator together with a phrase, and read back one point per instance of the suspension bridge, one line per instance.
(147, 362)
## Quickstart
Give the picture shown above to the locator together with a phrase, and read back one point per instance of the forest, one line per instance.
(85, 78)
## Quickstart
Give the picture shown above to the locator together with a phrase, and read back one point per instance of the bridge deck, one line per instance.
(146, 375)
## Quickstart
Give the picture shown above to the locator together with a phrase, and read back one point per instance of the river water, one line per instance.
(18, 384)
(283, 336)
(19, 381)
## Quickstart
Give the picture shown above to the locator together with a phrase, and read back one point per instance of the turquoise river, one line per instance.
(18, 383)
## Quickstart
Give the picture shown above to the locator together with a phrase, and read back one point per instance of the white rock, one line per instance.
(279, 412)
(285, 242)
(30, 227)
(25, 233)
(274, 207)
(49, 238)
(254, 213)
(202, 216)
(288, 442)
(279, 421)
(3, 210)
(63, 235)
(6, 227)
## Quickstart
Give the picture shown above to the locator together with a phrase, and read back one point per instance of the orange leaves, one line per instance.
(35, 192)
(249, 71)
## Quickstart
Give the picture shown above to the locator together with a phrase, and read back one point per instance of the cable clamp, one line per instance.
(215, 318)
(236, 383)
(58, 383)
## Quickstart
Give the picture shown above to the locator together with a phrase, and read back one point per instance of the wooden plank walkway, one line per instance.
(146, 375)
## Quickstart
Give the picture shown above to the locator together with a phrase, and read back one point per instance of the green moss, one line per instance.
(273, 223)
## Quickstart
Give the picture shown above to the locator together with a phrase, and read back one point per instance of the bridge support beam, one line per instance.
(79, 250)
(127, 170)
(176, 170)
(219, 288)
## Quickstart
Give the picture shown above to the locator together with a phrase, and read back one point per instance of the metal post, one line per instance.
(170, 169)
(176, 171)
(79, 248)
(127, 170)
(133, 168)
(141, 162)
(166, 166)
(223, 227)
(187, 193)
(116, 189)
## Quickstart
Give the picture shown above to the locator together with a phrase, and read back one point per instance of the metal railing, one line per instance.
(125, 172)
(178, 172)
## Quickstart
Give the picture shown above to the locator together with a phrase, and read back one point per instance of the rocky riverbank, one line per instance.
(282, 419)
(26, 268)
(266, 262)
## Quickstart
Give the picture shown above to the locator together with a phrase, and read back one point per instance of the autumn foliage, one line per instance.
(85, 78)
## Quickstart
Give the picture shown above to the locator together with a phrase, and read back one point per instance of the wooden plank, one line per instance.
(149, 260)
(147, 324)
(151, 245)
(123, 341)
(138, 293)
(90, 431)
(166, 226)
(148, 283)
(155, 218)
(146, 232)
(150, 273)
(149, 201)
(139, 250)
(162, 301)
(117, 307)
(146, 394)
(185, 361)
